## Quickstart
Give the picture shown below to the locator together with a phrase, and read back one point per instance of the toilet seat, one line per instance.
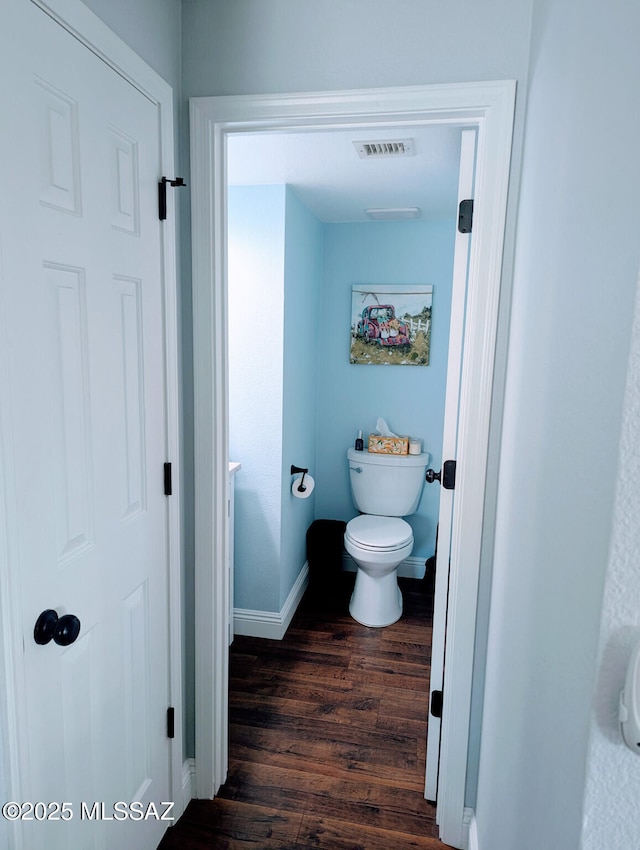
(378, 533)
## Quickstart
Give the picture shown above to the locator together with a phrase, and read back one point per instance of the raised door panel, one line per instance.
(133, 456)
(136, 664)
(124, 180)
(59, 148)
(71, 419)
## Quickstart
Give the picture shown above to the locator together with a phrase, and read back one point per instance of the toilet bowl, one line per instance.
(378, 545)
(384, 488)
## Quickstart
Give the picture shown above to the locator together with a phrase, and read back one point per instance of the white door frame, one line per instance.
(84, 25)
(449, 452)
(489, 107)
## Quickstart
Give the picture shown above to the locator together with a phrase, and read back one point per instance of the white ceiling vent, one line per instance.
(376, 150)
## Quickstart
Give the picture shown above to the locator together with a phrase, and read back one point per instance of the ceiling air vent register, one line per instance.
(376, 150)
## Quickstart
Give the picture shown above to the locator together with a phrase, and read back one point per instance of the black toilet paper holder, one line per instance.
(294, 469)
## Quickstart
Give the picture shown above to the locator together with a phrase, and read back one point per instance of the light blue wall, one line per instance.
(256, 218)
(302, 282)
(352, 397)
(294, 397)
(275, 267)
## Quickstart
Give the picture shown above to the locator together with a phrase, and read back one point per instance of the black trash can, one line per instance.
(324, 556)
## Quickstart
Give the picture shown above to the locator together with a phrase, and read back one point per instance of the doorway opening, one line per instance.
(488, 108)
(301, 235)
(308, 216)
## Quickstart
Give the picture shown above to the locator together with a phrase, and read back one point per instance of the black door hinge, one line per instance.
(449, 475)
(465, 216)
(171, 722)
(436, 704)
(162, 194)
(168, 484)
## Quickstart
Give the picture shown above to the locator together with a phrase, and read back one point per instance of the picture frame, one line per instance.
(390, 324)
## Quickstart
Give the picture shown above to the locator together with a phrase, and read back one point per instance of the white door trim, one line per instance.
(489, 107)
(75, 17)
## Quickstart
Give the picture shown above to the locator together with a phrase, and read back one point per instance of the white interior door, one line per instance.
(82, 311)
(449, 452)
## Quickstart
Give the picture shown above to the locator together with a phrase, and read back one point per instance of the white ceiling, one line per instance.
(324, 169)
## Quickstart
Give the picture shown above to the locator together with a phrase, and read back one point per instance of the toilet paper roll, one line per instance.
(308, 485)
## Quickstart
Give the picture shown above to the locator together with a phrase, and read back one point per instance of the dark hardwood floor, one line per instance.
(327, 736)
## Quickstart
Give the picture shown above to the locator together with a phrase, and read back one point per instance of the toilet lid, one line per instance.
(379, 532)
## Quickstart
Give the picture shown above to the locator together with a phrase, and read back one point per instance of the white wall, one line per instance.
(611, 811)
(577, 253)
(251, 46)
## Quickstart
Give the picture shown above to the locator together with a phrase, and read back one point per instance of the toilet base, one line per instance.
(376, 601)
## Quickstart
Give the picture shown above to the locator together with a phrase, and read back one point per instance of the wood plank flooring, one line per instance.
(327, 736)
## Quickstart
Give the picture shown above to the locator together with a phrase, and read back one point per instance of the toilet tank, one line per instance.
(386, 485)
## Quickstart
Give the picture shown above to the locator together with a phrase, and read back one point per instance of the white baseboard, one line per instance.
(188, 778)
(410, 568)
(470, 829)
(270, 624)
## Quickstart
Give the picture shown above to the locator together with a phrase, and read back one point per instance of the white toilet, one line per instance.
(385, 488)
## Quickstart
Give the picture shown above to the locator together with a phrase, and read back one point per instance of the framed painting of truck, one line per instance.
(390, 324)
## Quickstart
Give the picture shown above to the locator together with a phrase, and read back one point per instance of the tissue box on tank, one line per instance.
(388, 445)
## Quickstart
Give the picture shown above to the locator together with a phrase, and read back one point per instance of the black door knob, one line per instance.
(67, 630)
(62, 630)
(45, 624)
(432, 475)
